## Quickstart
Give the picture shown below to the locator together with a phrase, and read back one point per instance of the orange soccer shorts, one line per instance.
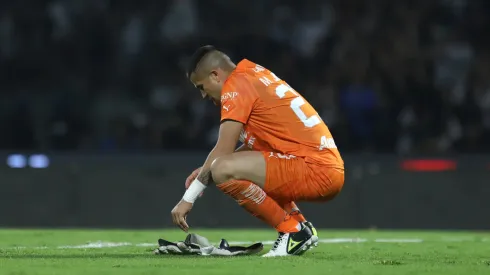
(292, 179)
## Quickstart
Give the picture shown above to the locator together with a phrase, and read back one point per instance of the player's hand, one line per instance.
(179, 214)
(191, 178)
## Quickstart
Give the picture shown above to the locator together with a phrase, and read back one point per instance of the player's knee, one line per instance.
(222, 170)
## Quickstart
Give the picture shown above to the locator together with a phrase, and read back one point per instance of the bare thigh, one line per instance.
(247, 165)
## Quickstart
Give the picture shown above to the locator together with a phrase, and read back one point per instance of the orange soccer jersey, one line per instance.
(276, 118)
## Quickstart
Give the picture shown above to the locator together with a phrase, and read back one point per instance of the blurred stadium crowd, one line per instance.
(386, 76)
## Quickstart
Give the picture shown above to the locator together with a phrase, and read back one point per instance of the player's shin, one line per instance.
(256, 202)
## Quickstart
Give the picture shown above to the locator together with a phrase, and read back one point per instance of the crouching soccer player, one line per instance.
(288, 153)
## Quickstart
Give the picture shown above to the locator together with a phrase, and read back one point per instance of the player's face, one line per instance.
(210, 87)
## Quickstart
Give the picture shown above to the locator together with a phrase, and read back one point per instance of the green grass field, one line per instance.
(373, 252)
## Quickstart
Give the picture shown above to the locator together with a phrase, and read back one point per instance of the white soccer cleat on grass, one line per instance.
(288, 244)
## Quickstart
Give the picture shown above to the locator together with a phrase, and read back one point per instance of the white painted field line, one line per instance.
(336, 240)
(98, 244)
(103, 244)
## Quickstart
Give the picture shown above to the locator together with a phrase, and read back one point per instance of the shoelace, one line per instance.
(278, 241)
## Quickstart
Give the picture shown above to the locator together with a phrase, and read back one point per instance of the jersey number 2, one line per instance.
(309, 122)
(296, 104)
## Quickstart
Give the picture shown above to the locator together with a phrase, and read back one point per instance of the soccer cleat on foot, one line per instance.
(288, 244)
(314, 232)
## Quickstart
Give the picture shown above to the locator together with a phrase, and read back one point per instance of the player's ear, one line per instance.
(214, 75)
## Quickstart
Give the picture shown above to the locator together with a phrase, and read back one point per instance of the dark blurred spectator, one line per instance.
(386, 76)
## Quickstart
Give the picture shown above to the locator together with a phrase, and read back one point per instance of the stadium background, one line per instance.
(99, 127)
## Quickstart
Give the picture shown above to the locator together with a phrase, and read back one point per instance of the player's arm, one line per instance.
(196, 172)
(229, 132)
(238, 109)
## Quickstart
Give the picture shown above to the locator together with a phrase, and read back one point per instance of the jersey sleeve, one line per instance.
(238, 99)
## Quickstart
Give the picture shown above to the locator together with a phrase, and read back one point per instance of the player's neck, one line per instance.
(228, 72)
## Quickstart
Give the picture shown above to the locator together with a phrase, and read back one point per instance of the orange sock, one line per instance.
(293, 210)
(256, 202)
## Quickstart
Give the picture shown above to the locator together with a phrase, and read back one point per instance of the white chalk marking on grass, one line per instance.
(102, 244)
(344, 240)
(336, 240)
(98, 244)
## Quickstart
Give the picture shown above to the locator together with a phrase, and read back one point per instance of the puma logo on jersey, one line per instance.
(227, 108)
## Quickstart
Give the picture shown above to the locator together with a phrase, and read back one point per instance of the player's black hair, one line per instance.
(196, 57)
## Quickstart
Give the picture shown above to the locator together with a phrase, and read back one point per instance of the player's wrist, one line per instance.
(193, 192)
